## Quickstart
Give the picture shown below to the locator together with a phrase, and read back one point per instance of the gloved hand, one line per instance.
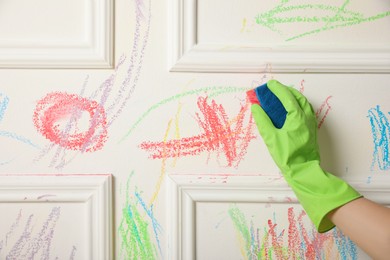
(295, 150)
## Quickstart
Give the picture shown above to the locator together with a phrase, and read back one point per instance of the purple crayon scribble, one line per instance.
(45, 196)
(13, 227)
(111, 101)
(29, 241)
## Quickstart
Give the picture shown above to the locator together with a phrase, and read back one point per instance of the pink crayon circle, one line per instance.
(59, 107)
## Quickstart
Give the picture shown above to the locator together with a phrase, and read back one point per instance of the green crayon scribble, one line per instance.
(241, 225)
(339, 17)
(134, 232)
(211, 91)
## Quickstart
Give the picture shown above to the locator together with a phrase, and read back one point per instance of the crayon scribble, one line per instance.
(219, 134)
(323, 111)
(58, 115)
(4, 102)
(380, 128)
(136, 242)
(61, 107)
(211, 92)
(333, 17)
(294, 242)
(302, 86)
(29, 240)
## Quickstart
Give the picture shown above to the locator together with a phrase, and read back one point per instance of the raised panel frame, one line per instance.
(188, 55)
(95, 51)
(94, 190)
(184, 191)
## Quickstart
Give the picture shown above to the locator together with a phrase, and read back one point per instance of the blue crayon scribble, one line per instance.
(4, 101)
(346, 248)
(380, 128)
(155, 224)
(18, 138)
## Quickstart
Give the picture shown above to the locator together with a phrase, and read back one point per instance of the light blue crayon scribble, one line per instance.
(347, 249)
(18, 138)
(380, 128)
(4, 100)
(155, 224)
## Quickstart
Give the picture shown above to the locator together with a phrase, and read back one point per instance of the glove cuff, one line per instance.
(319, 192)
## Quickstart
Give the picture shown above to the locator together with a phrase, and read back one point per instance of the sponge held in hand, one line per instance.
(270, 104)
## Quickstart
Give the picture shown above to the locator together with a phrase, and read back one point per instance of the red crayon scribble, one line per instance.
(297, 241)
(219, 134)
(58, 107)
(293, 235)
(302, 87)
(300, 242)
(277, 242)
(321, 114)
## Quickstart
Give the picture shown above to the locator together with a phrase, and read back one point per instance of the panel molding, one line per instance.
(95, 50)
(188, 55)
(184, 191)
(92, 190)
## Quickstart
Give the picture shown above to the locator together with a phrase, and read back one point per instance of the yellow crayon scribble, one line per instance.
(244, 23)
(163, 166)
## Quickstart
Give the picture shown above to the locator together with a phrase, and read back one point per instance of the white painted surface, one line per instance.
(146, 103)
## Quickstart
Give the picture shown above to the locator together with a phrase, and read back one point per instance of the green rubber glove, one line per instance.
(295, 150)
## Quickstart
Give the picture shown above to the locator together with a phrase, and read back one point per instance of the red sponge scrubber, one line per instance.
(251, 94)
(269, 102)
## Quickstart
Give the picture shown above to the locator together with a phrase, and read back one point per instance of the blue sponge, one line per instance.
(271, 105)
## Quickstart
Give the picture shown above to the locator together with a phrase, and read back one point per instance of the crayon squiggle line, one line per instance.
(105, 114)
(4, 101)
(136, 242)
(136, 58)
(320, 114)
(380, 128)
(25, 243)
(218, 136)
(163, 166)
(155, 224)
(19, 138)
(13, 227)
(3, 105)
(56, 106)
(60, 154)
(295, 242)
(341, 18)
(211, 92)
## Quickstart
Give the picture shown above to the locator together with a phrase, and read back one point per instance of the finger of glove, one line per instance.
(284, 95)
(303, 102)
(263, 122)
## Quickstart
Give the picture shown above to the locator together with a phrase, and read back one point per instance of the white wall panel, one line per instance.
(56, 34)
(195, 205)
(231, 36)
(76, 206)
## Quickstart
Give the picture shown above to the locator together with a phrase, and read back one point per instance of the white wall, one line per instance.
(226, 191)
